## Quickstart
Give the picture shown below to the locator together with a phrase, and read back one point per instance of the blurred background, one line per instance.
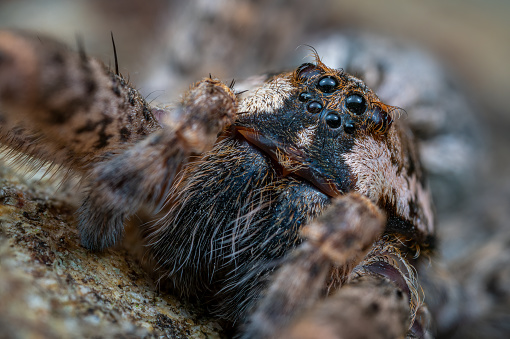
(445, 62)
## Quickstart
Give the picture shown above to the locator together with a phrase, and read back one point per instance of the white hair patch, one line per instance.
(269, 97)
(378, 177)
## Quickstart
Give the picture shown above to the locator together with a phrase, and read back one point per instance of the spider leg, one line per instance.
(342, 236)
(141, 174)
(371, 304)
(368, 307)
(74, 106)
(386, 261)
(62, 107)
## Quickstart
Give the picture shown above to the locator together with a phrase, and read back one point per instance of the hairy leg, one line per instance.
(371, 288)
(62, 107)
(118, 187)
(77, 109)
(368, 307)
(341, 236)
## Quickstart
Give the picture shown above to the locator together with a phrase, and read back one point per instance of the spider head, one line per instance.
(343, 103)
(308, 119)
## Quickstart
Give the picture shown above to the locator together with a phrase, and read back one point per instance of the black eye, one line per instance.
(356, 104)
(349, 127)
(304, 97)
(314, 107)
(327, 84)
(379, 122)
(306, 70)
(333, 120)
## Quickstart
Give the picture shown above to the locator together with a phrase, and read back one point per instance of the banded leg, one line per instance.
(63, 107)
(341, 236)
(368, 307)
(387, 260)
(376, 303)
(376, 296)
(76, 109)
(119, 186)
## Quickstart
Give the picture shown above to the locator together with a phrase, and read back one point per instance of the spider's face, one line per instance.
(318, 114)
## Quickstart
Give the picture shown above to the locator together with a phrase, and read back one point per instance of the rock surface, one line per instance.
(51, 287)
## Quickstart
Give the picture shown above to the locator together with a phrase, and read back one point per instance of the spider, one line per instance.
(296, 210)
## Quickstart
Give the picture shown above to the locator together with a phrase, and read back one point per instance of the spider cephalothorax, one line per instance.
(311, 189)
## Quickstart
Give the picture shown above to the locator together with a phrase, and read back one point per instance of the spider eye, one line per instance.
(349, 127)
(380, 121)
(304, 97)
(333, 120)
(327, 84)
(314, 107)
(356, 104)
(306, 70)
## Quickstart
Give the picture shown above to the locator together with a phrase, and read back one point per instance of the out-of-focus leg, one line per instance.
(76, 108)
(342, 236)
(142, 173)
